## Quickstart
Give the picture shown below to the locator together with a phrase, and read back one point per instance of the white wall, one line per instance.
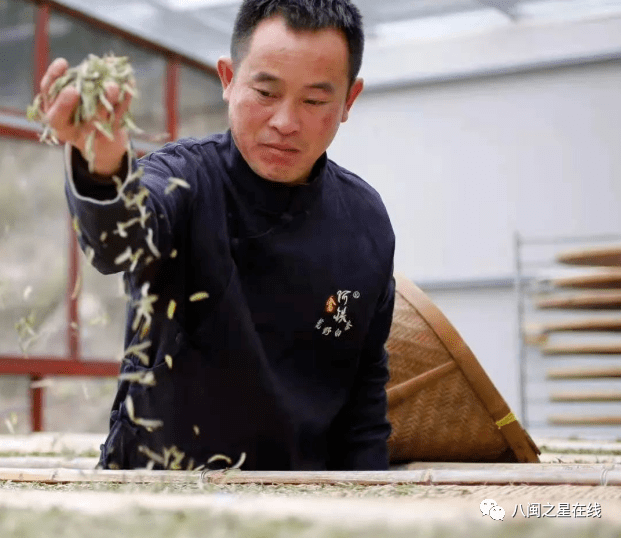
(464, 162)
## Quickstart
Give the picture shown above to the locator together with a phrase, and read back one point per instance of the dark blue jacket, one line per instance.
(285, 359)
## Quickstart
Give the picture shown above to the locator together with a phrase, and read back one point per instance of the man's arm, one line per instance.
(121, 225)
(358, 437)
(125, 226)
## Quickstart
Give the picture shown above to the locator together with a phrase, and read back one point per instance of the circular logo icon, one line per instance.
(487, 505)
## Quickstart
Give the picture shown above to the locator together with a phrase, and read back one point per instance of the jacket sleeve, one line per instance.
(124, 227)
(360, 432)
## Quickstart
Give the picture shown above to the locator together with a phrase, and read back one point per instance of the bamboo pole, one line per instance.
(51, 443)
(444, 474)
(47, 462)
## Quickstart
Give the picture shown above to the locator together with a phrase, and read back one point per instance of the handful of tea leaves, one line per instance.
(90, 79)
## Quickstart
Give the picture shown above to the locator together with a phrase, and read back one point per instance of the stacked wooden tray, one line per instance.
(594, 296)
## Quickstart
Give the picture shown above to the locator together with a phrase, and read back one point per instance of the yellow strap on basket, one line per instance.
(506, 420)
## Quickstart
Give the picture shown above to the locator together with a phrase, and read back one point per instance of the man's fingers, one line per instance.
(60, 113)
(56, 69)
(120, 110)
(112, 92)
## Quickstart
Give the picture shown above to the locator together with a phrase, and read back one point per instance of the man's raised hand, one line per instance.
(87, 106)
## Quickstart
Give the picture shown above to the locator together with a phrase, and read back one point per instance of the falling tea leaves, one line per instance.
(143, 377)
(148, 424)
(139, 351)
(170, 312)
(144, 307)
(175, 182)
(199, 296)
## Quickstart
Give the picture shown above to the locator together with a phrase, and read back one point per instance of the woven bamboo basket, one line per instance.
(441, 403)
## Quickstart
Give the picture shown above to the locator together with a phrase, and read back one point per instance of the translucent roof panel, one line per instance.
(435, 27)
(201, 29)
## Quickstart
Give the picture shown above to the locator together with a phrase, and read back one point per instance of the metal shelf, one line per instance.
(567, 348)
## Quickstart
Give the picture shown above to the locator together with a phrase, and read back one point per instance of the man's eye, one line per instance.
(314, 102)
(263, 93)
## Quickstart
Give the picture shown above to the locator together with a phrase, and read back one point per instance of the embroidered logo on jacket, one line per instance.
(330, 304)
(337, 319)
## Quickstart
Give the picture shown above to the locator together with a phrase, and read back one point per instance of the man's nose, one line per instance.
(285, 118)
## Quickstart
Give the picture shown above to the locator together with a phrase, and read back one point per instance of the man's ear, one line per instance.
(225, 72)
(354, 92)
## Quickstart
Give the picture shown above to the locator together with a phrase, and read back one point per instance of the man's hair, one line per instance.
(310, 15)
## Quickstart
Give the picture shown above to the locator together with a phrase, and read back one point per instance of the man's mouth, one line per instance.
(282, 147)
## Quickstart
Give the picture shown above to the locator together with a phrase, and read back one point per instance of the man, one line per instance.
(261, 283)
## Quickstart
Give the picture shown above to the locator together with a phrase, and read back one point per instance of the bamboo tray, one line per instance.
(581, 349)
(584, 373)
(441, 403)
(570, 420)
(586, 396)
(612, 324)
(602, 257)
(605, 280)
(594, 301)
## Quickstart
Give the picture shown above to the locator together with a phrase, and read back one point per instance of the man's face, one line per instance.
(287, 98)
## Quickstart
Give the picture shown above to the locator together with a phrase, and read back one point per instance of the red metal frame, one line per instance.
(36, 406)
(10, 131)
(171, 97)
(41, 60)
(73, 317)
(40, 366)
(41, 44)
(137, 40)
